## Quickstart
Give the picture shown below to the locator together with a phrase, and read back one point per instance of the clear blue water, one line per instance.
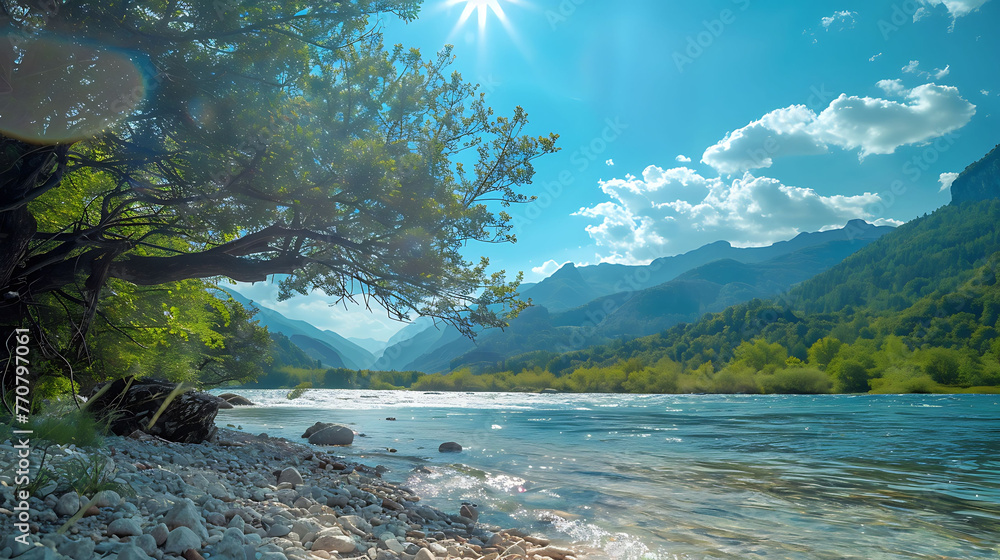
(687, 477)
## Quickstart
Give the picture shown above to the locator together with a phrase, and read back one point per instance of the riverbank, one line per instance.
(245, 497)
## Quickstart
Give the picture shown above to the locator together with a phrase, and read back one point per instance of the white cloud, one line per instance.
(920, 14)
(670, 211)
(869, 125)
(984, 91)
(872, 59)
(610, 163)
(946, 179)
(892, 87)
(888, 222)
(912, 68)
(547, 268)
(682, 159)
(782, 132)
(844, 17)
(957, 8)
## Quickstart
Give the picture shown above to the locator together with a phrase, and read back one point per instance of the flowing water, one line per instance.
(686, 477)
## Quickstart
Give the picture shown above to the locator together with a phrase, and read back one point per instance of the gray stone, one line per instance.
(132, 552)
(332, 435)
(78, 548)
(147, 543)
(124, 527)
(278, 530)
(338, 498)
(185, 514)
(330, 541)
(159, 533)
(355, 524)
(236, 400)
(424, 554)
(237, 523)
(469, 512)
(40, 553)
(68, 504)
(449, 447)
(107, 498)
(181, 539)
(231, 547)
(291, 476)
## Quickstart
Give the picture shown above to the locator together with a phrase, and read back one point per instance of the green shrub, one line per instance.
(797, 381)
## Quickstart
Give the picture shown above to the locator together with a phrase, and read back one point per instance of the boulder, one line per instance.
(131, 403)
(185, 514)
(124, 527)
(68, 504)
(449, 447)
(180, 540)
(315, 428)
(290, 475)
(236, 400)
(469, 511)
(332, 434)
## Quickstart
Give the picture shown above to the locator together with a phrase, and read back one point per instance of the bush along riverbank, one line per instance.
(238, 497)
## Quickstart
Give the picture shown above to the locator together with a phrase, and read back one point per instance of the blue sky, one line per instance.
(795, 116)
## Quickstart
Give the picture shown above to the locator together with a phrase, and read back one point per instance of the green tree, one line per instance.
(272, 137)
(823, 351)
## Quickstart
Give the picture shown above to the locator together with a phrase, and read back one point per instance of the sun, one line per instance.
(482, 8)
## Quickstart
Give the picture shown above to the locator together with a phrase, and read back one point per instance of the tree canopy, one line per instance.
(263, 137)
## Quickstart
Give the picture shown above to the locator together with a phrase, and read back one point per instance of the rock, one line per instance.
(79, 548)
(355, 524)
(513, 550)
(338, 498)
(332, 434)
(129, 404)
(39, 553)
(290, 475)
(330, 541)
(277, 530)
(185, 514)
(236, 400)
(181, 539)
(979, 181)
(449, 447)
(231, 547)
(469, 512)
(315, 428)
(549, 391)
(124, 527)
(68, 504)
(107, 498)
(145, 542)
(553, 552)
(391, 505)
(129, 552)
(159, 533)
(192, 554)
(424, 554)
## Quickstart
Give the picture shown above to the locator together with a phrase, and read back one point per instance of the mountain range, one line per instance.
(582, 306)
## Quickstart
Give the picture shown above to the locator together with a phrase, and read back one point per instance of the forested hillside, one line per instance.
(916, 311)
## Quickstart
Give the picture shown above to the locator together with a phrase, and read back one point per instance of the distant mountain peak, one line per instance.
(979, 181)
(859, 223)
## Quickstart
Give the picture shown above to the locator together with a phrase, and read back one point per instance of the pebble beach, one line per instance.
(245, 497)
